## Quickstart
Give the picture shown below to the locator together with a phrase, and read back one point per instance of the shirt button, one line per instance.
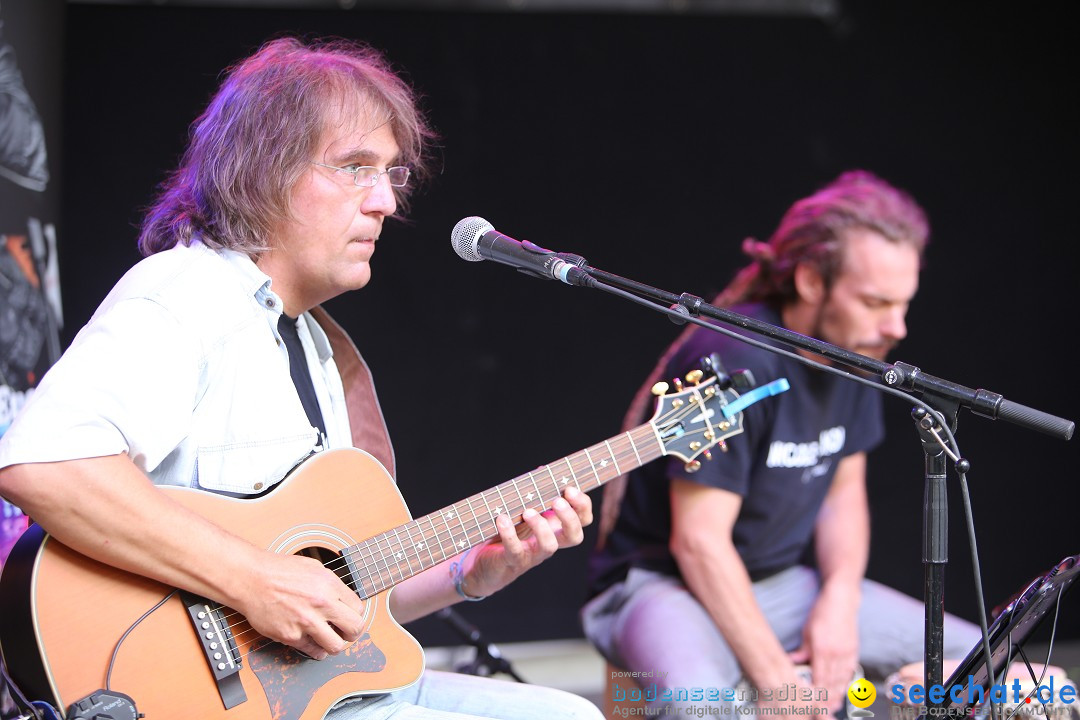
(258, 486)
(270, 302)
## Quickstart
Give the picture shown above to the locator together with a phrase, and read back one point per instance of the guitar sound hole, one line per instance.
(332, 560)
(336, 562)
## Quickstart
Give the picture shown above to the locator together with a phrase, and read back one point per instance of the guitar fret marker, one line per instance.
(537, 487)
(401, 555)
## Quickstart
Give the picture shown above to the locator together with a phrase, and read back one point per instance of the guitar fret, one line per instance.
(382, 569)
(385, 569)
(634, 448)
(592, 466)
(520, 498)
(398, 537)
(559, 487)
(461, 523)
(476, 519)
(554, 481)
(427, 545)
(539, 494)
(555, 491)
(503, 509)
(572, 473)
(397, 559)
(617, 470)
(490, 514)
(358, 550)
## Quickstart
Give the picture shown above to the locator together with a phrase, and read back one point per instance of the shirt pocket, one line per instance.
(250, 466)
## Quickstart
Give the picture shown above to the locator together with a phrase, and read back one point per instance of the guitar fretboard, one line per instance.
(396, 555)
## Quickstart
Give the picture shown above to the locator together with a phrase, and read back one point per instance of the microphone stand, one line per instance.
(488, 660)
(939, 402)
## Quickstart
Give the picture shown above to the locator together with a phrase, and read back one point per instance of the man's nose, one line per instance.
(893, 324)
(381, 197)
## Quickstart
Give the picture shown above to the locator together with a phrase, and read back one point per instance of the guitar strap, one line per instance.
(369, 431)
(301, 376)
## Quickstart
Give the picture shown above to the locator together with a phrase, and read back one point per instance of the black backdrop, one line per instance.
(652, 144)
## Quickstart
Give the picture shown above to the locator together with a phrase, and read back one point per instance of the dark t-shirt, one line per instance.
(781, 464)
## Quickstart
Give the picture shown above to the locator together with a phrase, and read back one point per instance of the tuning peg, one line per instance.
(693, 466)
(712, 364)
(660, 388)
(722, 445)
(678, 384)
(694, 377)
(708, 455)
(743, 380)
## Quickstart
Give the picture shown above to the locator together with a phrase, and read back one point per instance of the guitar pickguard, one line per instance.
(290, 679)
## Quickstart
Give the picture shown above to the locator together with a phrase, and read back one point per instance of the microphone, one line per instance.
(475, 239)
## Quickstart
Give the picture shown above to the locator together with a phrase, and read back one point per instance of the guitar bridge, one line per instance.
(219, 647)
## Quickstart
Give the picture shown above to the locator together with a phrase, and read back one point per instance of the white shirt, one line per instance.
(182, 368)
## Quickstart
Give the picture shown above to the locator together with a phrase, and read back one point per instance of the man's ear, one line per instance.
(809, 284)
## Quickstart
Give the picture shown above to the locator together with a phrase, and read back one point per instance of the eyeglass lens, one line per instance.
(369, 176)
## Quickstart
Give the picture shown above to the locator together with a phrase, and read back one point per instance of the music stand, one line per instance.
(1012, 627)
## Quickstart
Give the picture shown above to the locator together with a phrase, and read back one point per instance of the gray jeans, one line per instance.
(453, 696)
(650, 623)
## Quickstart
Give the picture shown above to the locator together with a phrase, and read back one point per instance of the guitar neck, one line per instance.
(396, 555)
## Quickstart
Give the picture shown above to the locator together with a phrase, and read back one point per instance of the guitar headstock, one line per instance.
(690, 420)
(704, 412)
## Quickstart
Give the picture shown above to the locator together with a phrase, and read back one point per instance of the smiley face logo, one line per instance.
(862, 693)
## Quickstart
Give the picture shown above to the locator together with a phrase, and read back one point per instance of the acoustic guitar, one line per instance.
(88, 637)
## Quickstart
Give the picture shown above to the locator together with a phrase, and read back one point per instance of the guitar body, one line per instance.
(62, 616)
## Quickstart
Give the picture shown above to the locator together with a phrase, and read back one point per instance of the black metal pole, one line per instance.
(935, 556)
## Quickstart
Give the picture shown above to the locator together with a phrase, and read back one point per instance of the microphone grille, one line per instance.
(466, 236)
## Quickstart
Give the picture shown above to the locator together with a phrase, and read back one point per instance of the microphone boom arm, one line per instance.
(899, 375)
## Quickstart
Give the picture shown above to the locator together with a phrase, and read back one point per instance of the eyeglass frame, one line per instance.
(374, 178)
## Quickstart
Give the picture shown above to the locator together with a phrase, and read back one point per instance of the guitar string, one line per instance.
(624, 452)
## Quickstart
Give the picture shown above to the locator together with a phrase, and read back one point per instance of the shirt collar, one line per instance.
(258, 284)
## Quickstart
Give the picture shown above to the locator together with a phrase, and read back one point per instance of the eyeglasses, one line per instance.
(366, 176)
